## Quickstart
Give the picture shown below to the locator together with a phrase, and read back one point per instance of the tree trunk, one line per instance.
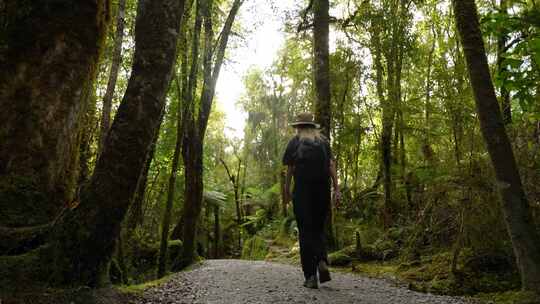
(113, 74)
(47, 68)
(501, 69)
(193, 171)
(194, 140)
(321, 77)
(136, 214)
(192, 185)
(235, 183)
(217, 233)
(321, 65)
(427, 104)
(523, 233)
(282, 180)
(88, 130)
(84, 241)
(176, 234)
(172, 189)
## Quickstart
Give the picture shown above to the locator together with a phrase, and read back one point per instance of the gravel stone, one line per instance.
(244, 282)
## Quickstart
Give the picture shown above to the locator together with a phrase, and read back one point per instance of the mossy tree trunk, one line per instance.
(321, 65)
(84, 240)
(48, 62)
(321, 79)
(520, 224)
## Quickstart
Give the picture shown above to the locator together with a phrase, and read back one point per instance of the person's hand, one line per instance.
(337, 197)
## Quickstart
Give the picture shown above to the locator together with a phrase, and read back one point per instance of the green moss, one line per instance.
(140, 288)
(376, 269)
(510, 297)
(433, 274)
(23, 203)
(24, 272)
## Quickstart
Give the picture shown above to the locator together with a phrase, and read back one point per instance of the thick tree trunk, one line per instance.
(523, 233)
(47, 68)
(84, 240)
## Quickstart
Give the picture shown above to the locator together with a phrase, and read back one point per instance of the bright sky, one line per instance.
(263, 22)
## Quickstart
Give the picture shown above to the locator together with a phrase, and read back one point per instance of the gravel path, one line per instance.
(236, 282)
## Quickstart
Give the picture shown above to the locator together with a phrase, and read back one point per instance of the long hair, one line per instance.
(308, 132)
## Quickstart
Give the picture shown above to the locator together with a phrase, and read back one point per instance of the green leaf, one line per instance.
(512, 62)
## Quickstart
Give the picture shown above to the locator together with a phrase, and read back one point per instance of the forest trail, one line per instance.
(237, 281)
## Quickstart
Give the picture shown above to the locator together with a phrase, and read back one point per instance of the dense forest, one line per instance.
(115, 166)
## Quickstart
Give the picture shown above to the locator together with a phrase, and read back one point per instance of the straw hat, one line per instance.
(304, 119)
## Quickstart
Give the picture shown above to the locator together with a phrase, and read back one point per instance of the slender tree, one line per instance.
(502, 41)
(520, 225)
(196, 127)
(321, 77)
(180, 126)
(113, 74)
(162, 259)
(321, 65)
(234, 178)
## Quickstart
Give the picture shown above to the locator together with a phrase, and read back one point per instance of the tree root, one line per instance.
(16, 241)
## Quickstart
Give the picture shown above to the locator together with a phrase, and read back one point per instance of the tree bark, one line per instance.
(427, 105)
(87, 132)
(113, 74)
(193, 186)
(47, 68)
(195, 131)
(85, 239)
(520, 225)
(387, 122)
(162, 260)
(321, 77)
(321, 65)
(136, 214)
(501, 69)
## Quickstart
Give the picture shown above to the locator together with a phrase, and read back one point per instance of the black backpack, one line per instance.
(311, 160)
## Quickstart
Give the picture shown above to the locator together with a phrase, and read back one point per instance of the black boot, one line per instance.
(311, 282)
(324, 274)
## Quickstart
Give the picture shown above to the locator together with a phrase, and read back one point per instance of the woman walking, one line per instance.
(309, 160)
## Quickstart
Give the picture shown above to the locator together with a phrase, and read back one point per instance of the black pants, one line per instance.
(311, 202)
